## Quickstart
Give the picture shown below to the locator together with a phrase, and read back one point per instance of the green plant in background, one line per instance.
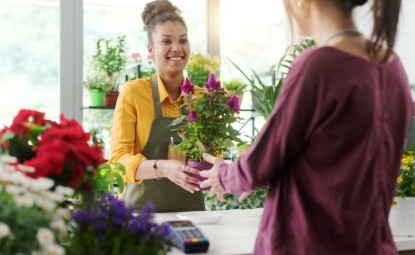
(264, 95)
(97, 80)
(200, 66)
(110, 58)
(234, 84)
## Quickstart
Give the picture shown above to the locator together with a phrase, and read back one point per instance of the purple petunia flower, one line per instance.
(188, 87)
(193, 116)
(212, 83)
(233, 103)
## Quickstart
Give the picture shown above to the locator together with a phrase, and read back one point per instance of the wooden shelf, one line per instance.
(112, 107)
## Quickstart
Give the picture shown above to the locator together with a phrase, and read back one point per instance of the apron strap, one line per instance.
(156, 96)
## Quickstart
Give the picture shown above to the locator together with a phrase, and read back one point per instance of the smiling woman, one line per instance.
(141, 129)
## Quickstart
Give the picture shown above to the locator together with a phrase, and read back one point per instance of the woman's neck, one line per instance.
(172, 84)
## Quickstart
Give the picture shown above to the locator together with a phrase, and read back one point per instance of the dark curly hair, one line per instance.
(158, 12)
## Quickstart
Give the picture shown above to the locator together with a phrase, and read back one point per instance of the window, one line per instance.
(29, 58)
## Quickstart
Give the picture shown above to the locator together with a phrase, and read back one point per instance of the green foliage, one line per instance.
(235, 85)
(255, 200)
(200, 67)
(110, 58)
(264, 95)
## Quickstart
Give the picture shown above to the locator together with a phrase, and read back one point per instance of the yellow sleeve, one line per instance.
(128, 137)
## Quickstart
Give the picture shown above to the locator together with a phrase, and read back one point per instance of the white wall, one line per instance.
(404, 45)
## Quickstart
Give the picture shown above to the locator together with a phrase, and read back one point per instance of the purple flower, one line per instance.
(233, 103)
(212, 83)
(193, 116)
(188, 87)
(81, 217)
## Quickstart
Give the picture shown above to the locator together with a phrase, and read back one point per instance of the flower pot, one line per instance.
(401, 217)
(111, 98)
(200, 166)
(97, 97)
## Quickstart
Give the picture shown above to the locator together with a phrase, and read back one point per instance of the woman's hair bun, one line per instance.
(359, 2)
(157, 7)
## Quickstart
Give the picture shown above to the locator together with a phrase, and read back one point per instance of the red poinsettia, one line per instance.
(60, 151)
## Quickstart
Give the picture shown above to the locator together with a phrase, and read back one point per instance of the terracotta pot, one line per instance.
(200, 166)
(111, 98)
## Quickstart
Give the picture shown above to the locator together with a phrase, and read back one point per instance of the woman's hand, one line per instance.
(212, 176)
(179, 173)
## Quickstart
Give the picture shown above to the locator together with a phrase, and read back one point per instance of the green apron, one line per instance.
(164, 194)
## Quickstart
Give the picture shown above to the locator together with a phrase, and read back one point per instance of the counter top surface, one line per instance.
(236, 231)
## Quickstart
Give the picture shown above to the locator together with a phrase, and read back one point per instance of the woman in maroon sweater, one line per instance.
(330, 151)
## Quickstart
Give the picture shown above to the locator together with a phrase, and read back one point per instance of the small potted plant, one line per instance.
(200, 66)
(404, 201)
(110, 58)
(98, 85)
(206, 123)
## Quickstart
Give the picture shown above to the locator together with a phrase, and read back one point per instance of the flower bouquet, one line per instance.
(109, 226)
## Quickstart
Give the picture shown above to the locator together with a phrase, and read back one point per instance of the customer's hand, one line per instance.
(179, 173)
(212, 176)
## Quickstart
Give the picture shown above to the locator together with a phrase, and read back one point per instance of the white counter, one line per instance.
(236, 232)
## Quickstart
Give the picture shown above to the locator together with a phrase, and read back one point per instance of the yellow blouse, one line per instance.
(133, 116)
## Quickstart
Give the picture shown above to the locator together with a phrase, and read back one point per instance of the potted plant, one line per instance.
(401, 218)
(110, 58)
(98, 85)
(206, 121)
(200, 66)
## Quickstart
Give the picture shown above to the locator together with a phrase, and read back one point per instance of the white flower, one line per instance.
(41, 184)
(26, 169)
(14, 189)
(56, 197)
(63, 213)
(64, 190)
(59, 225)
(54, 249)
(4, 230)
(45, 236)
(45, 203)
(7, 159)
(26, 200)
